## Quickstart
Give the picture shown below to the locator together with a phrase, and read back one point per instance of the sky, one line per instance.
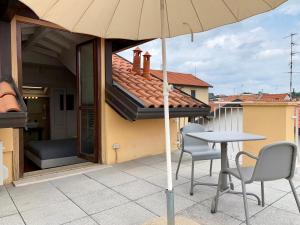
(249, 56)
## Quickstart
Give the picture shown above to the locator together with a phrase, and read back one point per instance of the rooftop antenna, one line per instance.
(292, 54)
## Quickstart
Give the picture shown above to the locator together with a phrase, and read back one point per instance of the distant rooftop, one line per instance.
(181, 79)
(256, 97)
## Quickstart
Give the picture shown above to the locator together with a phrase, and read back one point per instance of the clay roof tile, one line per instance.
(149, 91)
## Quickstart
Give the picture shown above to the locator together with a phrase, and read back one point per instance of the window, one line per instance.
(61, 103)
(70, 102)
(193, 93)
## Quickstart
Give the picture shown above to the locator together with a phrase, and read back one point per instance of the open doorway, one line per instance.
(59, 86)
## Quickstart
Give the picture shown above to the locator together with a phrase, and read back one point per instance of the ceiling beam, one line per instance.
(28, 30)
(39, 34)
(69, 36)
(25, 37)
(60, 40)
(49, 45)
(44, 51)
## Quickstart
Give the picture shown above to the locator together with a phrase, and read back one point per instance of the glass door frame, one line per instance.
(96, 157)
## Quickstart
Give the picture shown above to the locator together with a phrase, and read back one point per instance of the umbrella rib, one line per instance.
(167, 14)
(50, 7)
(138, 33)
(267, 3)
(201, 24)
(110, 21)
(82, 15)
(231, 12)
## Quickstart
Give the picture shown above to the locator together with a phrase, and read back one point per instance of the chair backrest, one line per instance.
(276, 161)
(191, 141)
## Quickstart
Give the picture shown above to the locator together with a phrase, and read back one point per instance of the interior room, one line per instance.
(50, 92)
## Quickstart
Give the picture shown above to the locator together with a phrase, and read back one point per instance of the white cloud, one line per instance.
(292, 9)
(232, 41)
(270, 53)
(247, 56)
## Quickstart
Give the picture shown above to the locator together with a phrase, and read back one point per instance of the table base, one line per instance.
(230, 191)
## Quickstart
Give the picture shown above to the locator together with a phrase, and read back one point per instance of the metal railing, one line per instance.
(227, 116)
(297, 141)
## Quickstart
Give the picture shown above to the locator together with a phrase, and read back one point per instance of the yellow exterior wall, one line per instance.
(201, 92)
(136, 139)
(6, 136)
(272, 120)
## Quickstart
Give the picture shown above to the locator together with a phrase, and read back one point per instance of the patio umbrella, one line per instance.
(149, 19)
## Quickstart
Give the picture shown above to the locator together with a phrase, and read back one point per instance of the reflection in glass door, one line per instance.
(87, 90)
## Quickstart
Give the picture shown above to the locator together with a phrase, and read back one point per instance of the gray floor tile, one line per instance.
(128, 214)
(29, 189)
(12, 220)
(199, 171)
(274, 216)
(201, 192)
(97, 201)
(288, 203)
(36, 195)
(232, 205)
(214, 179)
(77, 185)
(163, 166)
(127, 165)
(205, 165)
(161, 180)
(282, 184)
(137, 189)
(271, 195)
(202, 215)
(111, 177)
(7, 205)
(53, 214)
(151, 160)
(82, 221)
(156, 203)
(143, 171)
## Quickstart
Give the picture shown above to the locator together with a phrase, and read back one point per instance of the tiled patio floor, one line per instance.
(133, 193)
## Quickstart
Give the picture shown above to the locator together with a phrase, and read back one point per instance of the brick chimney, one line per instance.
(146, 68)
(136, 67)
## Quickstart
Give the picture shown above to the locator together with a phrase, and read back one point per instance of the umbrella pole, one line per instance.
(169, 190)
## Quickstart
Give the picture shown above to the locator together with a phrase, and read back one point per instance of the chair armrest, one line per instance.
(237, 158)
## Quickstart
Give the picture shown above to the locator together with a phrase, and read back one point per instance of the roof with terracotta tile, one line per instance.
(243, 98)
(274, 97)
(257, 97)
(248, 98)
(149, 91)
(182, 79)
(8, 101)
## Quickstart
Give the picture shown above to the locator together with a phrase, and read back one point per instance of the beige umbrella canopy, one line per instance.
(148, 19)
(141, 19)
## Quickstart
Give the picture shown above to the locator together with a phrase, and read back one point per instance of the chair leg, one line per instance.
(178, 166)
(230, 178)
(295, 194)
(192, 178)
(215, 202)
(262, 194)
(210, 168)
(245, 203)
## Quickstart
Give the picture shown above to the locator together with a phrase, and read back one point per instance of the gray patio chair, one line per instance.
(275, 161)
(199, 150)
